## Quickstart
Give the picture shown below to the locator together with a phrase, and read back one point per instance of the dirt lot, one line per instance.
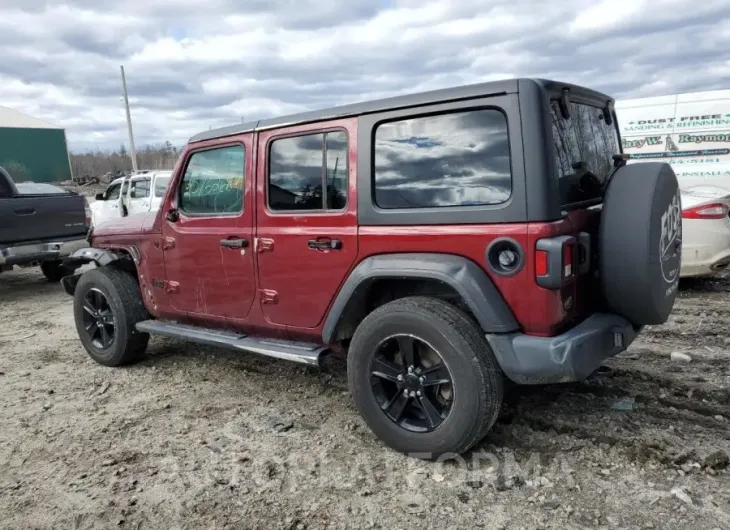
(200, 438)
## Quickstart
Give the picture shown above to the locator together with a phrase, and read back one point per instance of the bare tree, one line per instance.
(97, 163)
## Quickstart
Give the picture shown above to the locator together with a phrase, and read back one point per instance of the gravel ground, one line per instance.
(196, 437)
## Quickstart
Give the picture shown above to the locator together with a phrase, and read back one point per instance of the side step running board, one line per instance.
(300, 352)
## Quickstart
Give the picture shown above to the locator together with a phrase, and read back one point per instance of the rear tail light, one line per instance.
(541, 263)
(554, 260)
(716, 210)
(568, 260)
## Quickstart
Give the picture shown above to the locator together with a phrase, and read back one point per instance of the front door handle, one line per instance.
(325, 244)
(234, 243)
(25, 211)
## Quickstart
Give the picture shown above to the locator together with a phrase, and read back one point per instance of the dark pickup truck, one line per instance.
(40, 224)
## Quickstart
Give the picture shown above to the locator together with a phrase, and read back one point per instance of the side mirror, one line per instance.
(172, 215)
(99, 197)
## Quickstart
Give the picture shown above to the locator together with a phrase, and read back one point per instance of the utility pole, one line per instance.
(132, 150)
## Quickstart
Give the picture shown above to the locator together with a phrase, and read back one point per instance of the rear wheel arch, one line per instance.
(380, 279)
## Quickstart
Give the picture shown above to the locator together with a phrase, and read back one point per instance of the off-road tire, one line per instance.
(123, 294)
(476, 376)
(55, 270)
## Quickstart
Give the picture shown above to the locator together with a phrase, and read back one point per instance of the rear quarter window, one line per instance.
(584, 144)
(453, 159)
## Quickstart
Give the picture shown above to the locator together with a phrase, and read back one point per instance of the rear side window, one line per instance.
(140, 189)
(213, 182)
(584, 148)
(455, 159)
(308, 172)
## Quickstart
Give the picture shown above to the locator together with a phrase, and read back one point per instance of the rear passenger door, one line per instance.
(306, 239)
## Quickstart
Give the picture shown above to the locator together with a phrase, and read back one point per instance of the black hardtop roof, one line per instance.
(492, 88)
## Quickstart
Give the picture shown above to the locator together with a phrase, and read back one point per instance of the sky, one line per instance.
(193, 65)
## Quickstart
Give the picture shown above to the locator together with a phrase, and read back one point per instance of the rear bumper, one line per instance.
(704, 265)
(572, 356)
(705, 247)
(24, 253)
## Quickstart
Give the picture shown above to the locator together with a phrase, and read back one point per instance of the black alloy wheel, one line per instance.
(411, 383)
(98, 319)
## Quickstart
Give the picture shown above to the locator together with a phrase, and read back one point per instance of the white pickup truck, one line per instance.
(130, 196)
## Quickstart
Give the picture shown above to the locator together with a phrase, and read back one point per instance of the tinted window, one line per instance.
(213, 182)
(456, 159)
(308, 172)
(112, 193)
(584, 149)
(140, 189)
(161, 184)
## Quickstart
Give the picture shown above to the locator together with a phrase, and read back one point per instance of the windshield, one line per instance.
(584, 149)
(161, 184)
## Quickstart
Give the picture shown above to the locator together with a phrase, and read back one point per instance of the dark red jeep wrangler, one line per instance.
(441, 241)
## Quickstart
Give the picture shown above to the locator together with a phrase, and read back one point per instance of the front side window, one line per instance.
(213, 182)
(584, 148)
(455, 159)
(112, 193)
(140, 189)
(308, 172)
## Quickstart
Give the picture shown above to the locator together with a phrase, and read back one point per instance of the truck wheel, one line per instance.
(107, 306)
(54, 270)
(424, 378)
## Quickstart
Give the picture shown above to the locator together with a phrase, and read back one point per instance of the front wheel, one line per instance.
(107, 307)
(424, 378)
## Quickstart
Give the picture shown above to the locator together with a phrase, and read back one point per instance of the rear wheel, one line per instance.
(424, 378)
(107, 306)
(55, 270)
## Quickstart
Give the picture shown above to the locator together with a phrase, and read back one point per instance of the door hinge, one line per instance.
(168, 243)
(268, 296)
(264, 244)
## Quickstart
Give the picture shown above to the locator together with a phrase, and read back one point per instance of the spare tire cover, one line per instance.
(640, 242)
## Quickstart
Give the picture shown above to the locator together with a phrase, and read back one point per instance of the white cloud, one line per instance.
(191, 66)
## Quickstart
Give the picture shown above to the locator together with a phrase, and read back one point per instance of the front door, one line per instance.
(138, 200)
(306, 240)
(208, 239)
(108, 209)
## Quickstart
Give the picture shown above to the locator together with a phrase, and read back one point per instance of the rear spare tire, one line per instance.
(640, 240)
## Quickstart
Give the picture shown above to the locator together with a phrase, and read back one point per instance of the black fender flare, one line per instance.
(99, 256)
(463, 275)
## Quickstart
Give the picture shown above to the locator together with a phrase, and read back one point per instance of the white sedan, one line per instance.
(705, 231)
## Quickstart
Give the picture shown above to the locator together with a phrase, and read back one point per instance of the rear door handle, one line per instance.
(234, 243)
(25, 211)
(324, 244)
